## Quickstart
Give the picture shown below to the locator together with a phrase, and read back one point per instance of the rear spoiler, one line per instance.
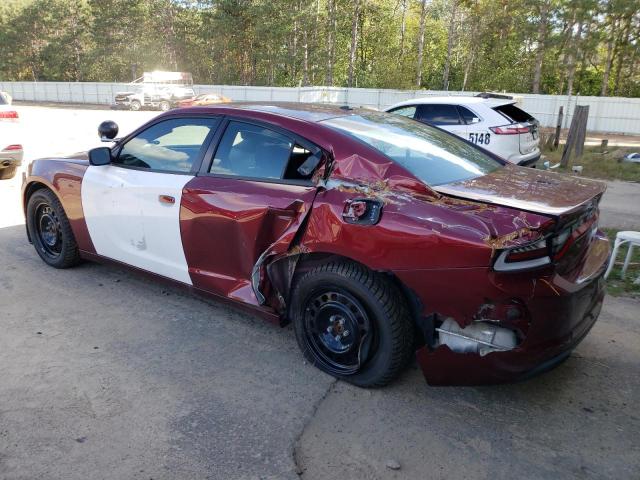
(500, 96)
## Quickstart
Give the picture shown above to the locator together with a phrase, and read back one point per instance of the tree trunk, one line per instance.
(354, 41)
(573, 50)
(331, 41)
(467, 67)
(403, 25)
(423, 16)
(447, 63)
(305, 64)
(608, 60)
(623, 42)
(542, 38)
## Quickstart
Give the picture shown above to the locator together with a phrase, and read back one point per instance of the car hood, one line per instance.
(528, 189)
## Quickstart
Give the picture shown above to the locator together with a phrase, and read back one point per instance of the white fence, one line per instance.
(606, 114)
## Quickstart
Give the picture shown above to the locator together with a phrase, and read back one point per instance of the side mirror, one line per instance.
(100, 156)
(310, 164)
(108, 130)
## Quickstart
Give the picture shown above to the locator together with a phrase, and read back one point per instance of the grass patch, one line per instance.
(617, 286)
(605, 166)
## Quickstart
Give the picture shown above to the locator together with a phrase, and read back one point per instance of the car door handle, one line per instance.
(168, 199)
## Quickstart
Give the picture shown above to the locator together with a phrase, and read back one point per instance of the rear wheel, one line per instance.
(165, 106)
(50, 230)
(135, 105)
(352, 323)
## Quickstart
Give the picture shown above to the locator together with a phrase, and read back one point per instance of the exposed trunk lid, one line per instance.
(530, 189)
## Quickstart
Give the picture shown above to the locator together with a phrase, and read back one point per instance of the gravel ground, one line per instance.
(104, 374)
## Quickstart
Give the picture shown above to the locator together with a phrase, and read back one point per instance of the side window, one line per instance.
(438, 114)
(467, 115)
(409, 111)
(247, 150)
(172, 145)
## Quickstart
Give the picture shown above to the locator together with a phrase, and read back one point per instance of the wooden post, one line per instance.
(576, 135)
(582, 130)
(556, 140)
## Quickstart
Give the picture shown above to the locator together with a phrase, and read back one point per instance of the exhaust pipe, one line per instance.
(479, 337)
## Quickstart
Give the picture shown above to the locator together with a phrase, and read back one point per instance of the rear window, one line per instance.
(432, 155)
(513, 113)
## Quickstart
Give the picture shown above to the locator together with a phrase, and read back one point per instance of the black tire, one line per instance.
(165, 106)
(339, 296)
(135, 105)
(8, 172)
(50, 230)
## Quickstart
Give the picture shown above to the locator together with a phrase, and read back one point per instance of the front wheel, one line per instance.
(352, 323)
(50, 230)
(135, 105)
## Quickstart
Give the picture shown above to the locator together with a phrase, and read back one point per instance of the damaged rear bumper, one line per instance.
(539, 352)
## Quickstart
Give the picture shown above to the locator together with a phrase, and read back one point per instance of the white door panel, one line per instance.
(460, 130)
(128, 222)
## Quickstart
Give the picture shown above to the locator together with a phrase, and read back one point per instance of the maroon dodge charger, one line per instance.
(377, 236)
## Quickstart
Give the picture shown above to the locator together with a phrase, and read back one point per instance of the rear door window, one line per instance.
(467, 115)
(513, 113)
(253, 151)
(438, 114)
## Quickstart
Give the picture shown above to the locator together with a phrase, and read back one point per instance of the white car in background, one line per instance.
(11, 152)
(492, 122)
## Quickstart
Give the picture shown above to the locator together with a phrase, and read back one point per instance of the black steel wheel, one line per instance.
(338, 330)
(50, 231)
(352, 323)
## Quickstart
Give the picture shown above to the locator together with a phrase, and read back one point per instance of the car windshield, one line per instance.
(434, 156)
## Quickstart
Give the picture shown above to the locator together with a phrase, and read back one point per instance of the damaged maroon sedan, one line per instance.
(375, 235)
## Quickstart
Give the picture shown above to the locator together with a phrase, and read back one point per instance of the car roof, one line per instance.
(455, 100)
(309, 112)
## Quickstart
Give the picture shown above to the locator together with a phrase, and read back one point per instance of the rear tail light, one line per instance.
(514, 129)
(8, 115)
(12, 148)
(525, 257)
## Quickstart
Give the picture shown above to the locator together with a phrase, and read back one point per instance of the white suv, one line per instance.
(495, 124)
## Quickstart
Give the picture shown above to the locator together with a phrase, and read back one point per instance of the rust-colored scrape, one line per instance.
(381, 190)
(296, 250)
(503, 241)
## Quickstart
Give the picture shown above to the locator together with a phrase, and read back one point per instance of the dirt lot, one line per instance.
(106, 375)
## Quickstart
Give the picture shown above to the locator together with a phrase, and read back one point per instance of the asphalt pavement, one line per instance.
(107, 375)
